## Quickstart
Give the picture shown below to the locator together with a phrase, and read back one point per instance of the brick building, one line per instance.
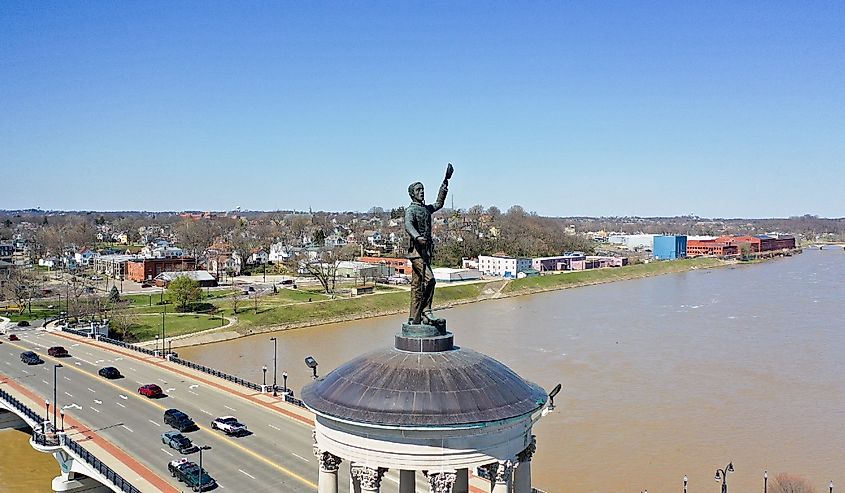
(696, 248)
(144, 269)
(399, 265)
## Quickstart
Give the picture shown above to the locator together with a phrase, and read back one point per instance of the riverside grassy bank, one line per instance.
(296, 312)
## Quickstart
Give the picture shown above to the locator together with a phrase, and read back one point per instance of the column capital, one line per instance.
(368, 477)
(526, 454)
(497, 472)
(328, 461)
(441, 482)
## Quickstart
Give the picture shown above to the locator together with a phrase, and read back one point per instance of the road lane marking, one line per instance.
(97, 401)
(122, 396)
(72, 406)
(206, 412)
(77, 363)
(246, 473)
(171, 389)
(300, 457)
(69, 395)
(66, 378)
(92, 390)
(189, 386)
(153, 422)
(119, 404)
(24, 371)
(274, 427)
(128, 428)
(230, 408)
(93, 408)
(191, 391)
(168, 453)
(46, 382)
(133, 369)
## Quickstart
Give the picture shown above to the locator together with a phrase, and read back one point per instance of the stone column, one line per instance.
(499, 474)
(462, 482)
(407, 481)
(327, 480)
(441, 482)
(368, 479)
(522, 471)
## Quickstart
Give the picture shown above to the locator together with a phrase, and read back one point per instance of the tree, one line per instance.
(788, 483)
(319, 237)
(21, 286)
(236, 300)
(184, 291)
(114, 295)
(324, 268)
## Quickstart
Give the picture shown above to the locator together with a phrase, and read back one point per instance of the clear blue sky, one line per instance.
(720, 109)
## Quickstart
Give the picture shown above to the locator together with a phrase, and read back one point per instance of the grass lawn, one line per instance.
(566, 279)
(147, 327)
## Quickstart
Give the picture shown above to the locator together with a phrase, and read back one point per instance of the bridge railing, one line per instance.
(127, 345)
(217, 373)
(18, 405)
(107, 472)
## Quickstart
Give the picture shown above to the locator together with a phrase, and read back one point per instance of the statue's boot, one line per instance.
(429, 318)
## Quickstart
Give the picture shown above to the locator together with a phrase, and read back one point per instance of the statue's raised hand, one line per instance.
(449, 171)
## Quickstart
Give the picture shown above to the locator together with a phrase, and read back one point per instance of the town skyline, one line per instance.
(716, 109)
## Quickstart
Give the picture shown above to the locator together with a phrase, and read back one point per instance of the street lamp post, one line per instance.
(274, 366)
(264, 369)
(765, 481)
(62, 412)
(685, 483)
(285, 382)
(156, 346)
(722, 475)
(55, 400)
(830, 487)
(162, 328)
(204, 447)
(47, 403)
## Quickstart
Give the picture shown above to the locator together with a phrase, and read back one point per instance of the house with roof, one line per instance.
(85, 256)
(257, 256)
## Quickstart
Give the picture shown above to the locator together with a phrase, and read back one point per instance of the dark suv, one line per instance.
(179, 420)
(109, 372)
(31, 358)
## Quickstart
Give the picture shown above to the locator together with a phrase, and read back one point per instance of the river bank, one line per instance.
(303, 315)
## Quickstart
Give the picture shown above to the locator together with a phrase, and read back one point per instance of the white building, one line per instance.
(279, 252)
(632, 242)
(502, 266)
(258, 257)
(84, 257)
(445, 274)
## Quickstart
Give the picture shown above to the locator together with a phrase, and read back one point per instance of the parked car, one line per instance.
(189, 473)
(31, 358)
(229, 425)
(13, 337)
(109, 372)
(178, 441)
(179, 420)
(58, 352)
(150, 390)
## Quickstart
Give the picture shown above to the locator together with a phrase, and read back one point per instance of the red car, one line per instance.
(150, 390)
(13, 337)
(57, 351)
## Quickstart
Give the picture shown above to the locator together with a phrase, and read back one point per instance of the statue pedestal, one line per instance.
(424, 338)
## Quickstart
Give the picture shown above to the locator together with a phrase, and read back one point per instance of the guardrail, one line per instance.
(46, 439)
(29, 413)
(115, 478)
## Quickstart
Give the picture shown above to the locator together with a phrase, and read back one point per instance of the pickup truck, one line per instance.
(189, 473)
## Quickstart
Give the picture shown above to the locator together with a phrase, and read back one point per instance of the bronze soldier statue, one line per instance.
(421, 249)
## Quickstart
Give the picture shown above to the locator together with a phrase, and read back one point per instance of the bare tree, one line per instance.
(21, 286)
(788, 483)
(237, 300)
(324, 268)
(122, 320)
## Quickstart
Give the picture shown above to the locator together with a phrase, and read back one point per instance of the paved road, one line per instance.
(277, 456)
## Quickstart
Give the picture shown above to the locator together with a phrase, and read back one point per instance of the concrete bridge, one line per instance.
(110, 436)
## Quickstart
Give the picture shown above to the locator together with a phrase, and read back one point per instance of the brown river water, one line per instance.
(662, 377)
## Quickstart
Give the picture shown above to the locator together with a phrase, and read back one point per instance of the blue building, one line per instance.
(670, 247)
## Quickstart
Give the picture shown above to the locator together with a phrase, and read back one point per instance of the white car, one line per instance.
(229, 425)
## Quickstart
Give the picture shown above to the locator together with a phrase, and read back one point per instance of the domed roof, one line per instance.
(392, 387)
